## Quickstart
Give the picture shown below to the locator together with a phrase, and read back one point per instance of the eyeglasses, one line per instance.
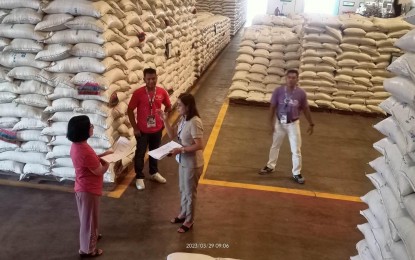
(91, 126)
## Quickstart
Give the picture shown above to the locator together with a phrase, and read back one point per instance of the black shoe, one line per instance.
(299, 179)
(265, 170)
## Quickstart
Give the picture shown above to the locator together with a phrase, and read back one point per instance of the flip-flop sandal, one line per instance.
(184, 229)
(96, 253)
(177, 220)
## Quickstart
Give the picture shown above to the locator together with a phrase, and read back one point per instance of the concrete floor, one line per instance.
(259, 225)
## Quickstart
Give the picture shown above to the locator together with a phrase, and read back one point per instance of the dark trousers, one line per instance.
(152, 141)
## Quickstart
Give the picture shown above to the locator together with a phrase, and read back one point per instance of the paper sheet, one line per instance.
(164, 150)
(122, 148)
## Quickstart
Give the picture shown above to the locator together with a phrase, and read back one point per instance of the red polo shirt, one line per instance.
(141, 101)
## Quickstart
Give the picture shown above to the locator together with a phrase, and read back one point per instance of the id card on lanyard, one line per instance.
(287, 100)
(179, 131)
(151, 119)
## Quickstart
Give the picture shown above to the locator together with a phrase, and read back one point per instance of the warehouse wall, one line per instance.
(346, 9)
(295, 6)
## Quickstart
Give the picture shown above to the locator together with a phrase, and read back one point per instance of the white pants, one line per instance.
(294, 136)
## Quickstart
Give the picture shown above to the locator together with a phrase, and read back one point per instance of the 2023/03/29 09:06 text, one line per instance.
(207, 245)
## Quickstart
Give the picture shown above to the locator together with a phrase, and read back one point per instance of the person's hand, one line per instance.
(175, 151)
(162, 115)
(137, 133)
(310, 129)
(118, 166)
(104, 163)
(106, 153)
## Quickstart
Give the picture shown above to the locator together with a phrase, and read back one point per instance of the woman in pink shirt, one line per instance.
(89, 171)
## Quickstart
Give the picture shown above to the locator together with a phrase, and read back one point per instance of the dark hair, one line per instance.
(78, 129)
(292, 72)
(189, 102)
(149, 71)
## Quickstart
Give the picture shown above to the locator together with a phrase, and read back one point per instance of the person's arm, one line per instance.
(133, 122)
(272, 116)
(95, 164)
(307, 114)
(101, 169)
(169, 129)
(273, 110)
(106, 153)
(130, 112)
(167, 103)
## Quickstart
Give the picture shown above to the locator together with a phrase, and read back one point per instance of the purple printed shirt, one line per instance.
(289, 103)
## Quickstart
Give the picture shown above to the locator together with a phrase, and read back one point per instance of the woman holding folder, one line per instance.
(89, 171)
(189, 133)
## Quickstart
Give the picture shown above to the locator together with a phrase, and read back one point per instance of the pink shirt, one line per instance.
(84, 158)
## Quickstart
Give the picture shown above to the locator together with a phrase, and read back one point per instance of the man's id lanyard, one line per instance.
(287, 99)
(151, 119)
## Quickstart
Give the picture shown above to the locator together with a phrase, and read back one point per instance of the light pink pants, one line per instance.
(88, 208)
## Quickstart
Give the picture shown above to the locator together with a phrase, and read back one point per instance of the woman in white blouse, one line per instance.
(189, 133)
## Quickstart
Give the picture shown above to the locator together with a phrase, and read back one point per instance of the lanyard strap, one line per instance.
(151, 100)
(181, 126)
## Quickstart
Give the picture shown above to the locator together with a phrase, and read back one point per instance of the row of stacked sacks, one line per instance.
(320, 42)
(265, 54)
(236, 10)
(62, 61)
(294, 23)
(82, 57)
(213, 34)
(390, 230)
(349, 77)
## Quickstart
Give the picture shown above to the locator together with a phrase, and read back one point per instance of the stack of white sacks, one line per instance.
(320, 43)
(177, 73)
(23, 89)
(265, 54)
(213, 34)
(236, 10)
(390, 231)
(203, 6)
(367, 48)
(82, 57)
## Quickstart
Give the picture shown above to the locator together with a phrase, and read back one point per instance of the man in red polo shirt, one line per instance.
(148, 125)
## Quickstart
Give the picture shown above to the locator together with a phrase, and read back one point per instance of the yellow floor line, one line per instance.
(280, 190)
(207, 154)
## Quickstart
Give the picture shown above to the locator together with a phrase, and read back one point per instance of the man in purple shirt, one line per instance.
(286, 104)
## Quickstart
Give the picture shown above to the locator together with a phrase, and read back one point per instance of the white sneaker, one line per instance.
(139, 183)
(158, 178)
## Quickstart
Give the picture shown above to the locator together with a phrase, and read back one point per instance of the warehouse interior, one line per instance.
(355, 65)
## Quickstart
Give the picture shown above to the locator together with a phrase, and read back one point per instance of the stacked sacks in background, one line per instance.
(389, 30)
(203, 6)
(390, 231)
(89, 63)
(180, 32)
(367, 50)
(23, 90)
(320, 45)
(265, 54)
(236, 10)
(355, 64)
(213, 34)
